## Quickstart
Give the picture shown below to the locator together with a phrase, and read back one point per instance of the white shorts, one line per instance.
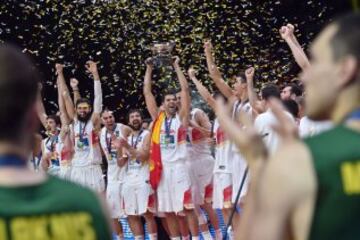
(201, 171)
(138, 199)
(239, 166)
(222, 190)
(174, 191)
(114, 199)
(89, 176)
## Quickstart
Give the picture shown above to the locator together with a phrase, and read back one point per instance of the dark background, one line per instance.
(118, 33)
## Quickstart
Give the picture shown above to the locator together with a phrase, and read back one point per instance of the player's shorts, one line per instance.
(89, 176)
(114, 199)
(222, 190)
(174, 192)
(239, 166)
(138, 199)
(201, 172)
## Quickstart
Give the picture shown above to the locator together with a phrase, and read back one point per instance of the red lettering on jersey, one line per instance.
(181, 134)
(94, 137)
(196, 135)
(220, 136)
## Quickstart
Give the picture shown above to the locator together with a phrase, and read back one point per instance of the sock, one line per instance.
(153, 236)
(185, 237)
(175, 238)
(207, 235)
(218, 234)
(230, 233)
(195, 238)
(139, 237)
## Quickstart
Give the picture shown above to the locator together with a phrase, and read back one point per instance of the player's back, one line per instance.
(54, 209)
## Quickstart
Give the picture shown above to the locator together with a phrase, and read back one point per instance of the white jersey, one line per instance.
(87, 147)
(173, 140)
(137, 172)
(53, 145)
(238, 107)
(308, 128)
(223, 150)
(114, 172)
(198, 147)
(263, 124)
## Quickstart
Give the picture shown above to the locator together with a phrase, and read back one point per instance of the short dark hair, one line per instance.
(292, 107)
(134, 110)
(107, 110)
(270, 90)
(18, 90)
(346, 39)
(294, 89)
(82, 100)
(56, 119)
(167, 93)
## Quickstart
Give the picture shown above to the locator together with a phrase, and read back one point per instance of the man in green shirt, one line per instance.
(35, 205)
(310, 189)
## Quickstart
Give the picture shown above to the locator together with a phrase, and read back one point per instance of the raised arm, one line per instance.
(74, 83)
(287, 33)
(92, 68)
(184, 111)
(40, 108)
(204, 93)
(64, 91)
(64, 117)
(215, 73)
(253, 99)
(149, 97)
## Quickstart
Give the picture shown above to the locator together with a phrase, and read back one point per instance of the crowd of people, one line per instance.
(267, 182)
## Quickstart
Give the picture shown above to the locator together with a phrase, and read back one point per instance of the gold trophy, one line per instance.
(162, 54)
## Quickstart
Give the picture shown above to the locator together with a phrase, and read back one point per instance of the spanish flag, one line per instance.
(155, 152)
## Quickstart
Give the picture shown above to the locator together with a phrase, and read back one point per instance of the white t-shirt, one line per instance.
(263, 124)
(173, 141)
(87, 147)
(308, 128)
(237, 108)
(198, 147)
(223, 150)
(137, 172)
(114, 172)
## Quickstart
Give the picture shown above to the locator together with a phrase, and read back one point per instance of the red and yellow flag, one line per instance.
(155, 163)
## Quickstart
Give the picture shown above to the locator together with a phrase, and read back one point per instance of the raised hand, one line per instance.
(91, 66)
(176, 60)
(249, 73)
(59, 68)
(74, 83)
(208, 45)
(148, 62)
(191, 73)
(286, 32)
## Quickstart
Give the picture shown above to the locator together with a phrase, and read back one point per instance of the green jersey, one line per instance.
(336, 159)
(54, 209)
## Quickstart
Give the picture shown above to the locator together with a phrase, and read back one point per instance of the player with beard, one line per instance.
(56, 148)
(169, 150)
(86, 169)
(115, 173)
(138, 196)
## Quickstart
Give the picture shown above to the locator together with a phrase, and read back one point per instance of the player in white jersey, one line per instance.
(56, 148)
(86, 169)
(201, 166)
(138, 196)
(222, 179)
(174, 189)
(238, 92)
(115, 173)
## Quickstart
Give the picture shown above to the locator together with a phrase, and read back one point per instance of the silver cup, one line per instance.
(162, 54)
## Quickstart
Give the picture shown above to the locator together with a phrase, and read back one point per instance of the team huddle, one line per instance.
(169, 170)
